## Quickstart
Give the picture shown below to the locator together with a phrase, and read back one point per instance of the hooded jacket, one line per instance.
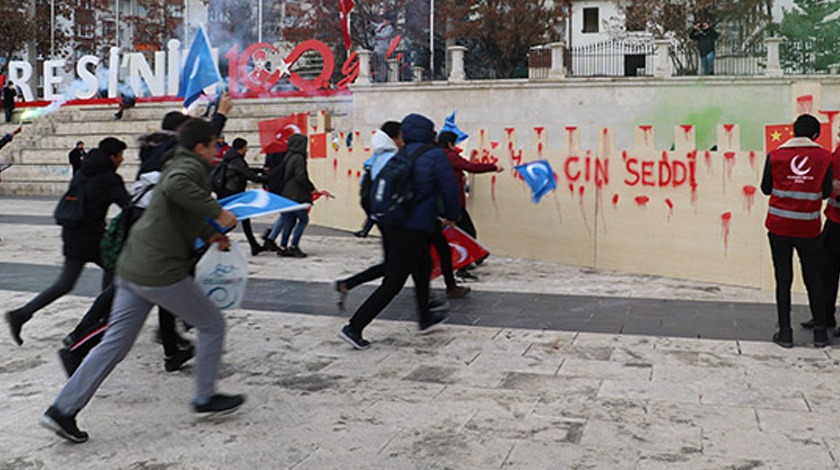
(297, 187)
(237, 173)
(384, 148)
(434, 178)
(103, 187)
(159, 250)
(460, 165)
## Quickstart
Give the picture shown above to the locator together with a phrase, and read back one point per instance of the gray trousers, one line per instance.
(131, 306)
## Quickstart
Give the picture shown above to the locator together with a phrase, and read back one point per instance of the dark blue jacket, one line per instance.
(433, 177)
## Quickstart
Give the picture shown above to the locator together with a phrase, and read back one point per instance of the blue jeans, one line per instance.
(707, 63)
(286, 222)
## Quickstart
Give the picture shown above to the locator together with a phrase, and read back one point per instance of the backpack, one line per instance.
(392, 190)
(70, 210)
(364, 192)
(218, 178)
(276, 180)
(113, 239)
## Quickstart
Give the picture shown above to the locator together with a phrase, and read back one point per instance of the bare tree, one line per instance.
(17, 30)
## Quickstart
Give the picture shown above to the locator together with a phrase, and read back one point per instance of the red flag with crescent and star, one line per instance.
(274, 133)
(777, 134)
(344, 8)
(465, 250)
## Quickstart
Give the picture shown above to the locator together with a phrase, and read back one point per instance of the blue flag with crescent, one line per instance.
(539, 176)
(449, 125)
(200, 70)
(254, 203)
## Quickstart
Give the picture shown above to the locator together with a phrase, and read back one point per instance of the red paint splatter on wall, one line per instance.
(572, 189)
(670, 205)
(624, 155)
(540, 151)
(642, 201)
(729, 163)
(615, 199)
(493, 188)
(749, 196)
(687, 128)
(335, 165)
(708, 157)
(725, 227)
(571, 131)
(581, 191)
(539, 131)
(805, 104)
(359, 174)
(606, 131)
(494, 145)
(728, 128)
(691, 155)
(752, 160)
(350, 173)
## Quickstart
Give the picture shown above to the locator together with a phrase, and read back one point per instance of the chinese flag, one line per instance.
(318, 146)
(465, 250)
(274, 133)
(778, 134)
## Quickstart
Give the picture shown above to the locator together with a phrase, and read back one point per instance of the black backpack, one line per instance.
(364, 192)
(70, 210)
(392, 191)
(276, 180)
(218, 178)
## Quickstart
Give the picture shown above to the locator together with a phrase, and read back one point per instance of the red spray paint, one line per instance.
(358, 174)
(726, 225)
(581, 191)
(642, 201)
(749, 196)
(729, 163)
(493, 189)
(646, 130)
(335, 165)
(687, 128)
(708, 157)
(615, 200)
(752, 160)
(571, 131)
(728, 128)
(670, 205)
(350, 173)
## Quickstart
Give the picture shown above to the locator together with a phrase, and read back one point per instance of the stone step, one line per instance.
(54, 172)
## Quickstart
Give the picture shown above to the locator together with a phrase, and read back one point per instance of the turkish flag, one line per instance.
(344, 8)
(464, 248)
(274, 133)
(777, 134)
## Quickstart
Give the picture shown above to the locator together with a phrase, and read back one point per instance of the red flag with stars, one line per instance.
(777, 134)
(344, 8)
(465, 250)
(274, 133)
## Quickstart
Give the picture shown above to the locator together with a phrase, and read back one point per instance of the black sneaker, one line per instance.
(341, 294)
(295, 252)
(15, 325)
(270, 245)
(820, 337)
(70, 360)
(465, 275)
(433, 324)
(438, 305)
(220, 404)
(354, 339)
(783, 338)
(256, 250)
(63, 425)
(174, 362)
(808, 325)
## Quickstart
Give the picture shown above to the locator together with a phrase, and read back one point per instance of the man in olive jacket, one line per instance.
(154, 269)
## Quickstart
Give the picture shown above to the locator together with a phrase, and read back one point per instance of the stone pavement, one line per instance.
(529, 375)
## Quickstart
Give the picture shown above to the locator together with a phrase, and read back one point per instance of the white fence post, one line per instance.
(558, 57)
(457, 74)
(663, 59)
(364, 67)
(774, 66)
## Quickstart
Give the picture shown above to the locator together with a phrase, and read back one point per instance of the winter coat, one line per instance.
(159, 250)
(461, 165)
(76, 156)
(297, 186)
(237, 174)
(157, 146)
(102, 187)
(433, 177)
(705, 40)
(9, 94)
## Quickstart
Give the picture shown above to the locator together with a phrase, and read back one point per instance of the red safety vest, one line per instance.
(798, 176)
(832, 207)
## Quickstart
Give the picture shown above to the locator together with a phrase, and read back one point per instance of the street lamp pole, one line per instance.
(52, 29)
(117, 24)
(432, 39)
(259, 20)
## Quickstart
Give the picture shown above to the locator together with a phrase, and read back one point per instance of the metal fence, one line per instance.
(611, 59)
(809, 56)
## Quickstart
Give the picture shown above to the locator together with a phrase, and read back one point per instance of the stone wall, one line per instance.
(654, 176)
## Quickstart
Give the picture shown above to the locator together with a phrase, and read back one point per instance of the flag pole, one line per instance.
(260, 20)
(432, 39)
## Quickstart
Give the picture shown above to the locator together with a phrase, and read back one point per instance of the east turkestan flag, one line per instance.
(449, 125)
(539, 176)
(200, 70)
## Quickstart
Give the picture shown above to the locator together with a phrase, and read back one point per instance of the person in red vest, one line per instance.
(797, 177)
(831, 248)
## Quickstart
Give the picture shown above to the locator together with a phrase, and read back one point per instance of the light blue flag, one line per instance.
(449, 125)
(539, 176)
(257, 202)
(253, 203)
(200, 70)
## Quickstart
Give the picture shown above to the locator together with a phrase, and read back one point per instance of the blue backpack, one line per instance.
(392, 191)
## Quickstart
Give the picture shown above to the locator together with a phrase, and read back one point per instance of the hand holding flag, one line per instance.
(539, 176)
(449, 125)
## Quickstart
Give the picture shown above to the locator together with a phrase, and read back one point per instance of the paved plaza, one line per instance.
(543, 366)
